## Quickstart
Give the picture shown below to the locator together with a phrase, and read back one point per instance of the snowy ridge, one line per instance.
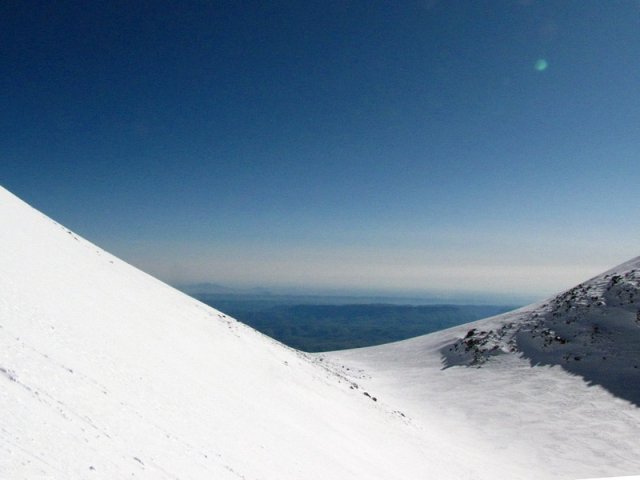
(592, 330)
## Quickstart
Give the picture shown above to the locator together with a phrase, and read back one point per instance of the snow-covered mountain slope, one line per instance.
(107, 373)
(555, 386)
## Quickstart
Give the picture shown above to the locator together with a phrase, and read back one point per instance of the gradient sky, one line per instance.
(486, 146)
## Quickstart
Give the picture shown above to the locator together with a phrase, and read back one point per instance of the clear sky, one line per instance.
(488, 146)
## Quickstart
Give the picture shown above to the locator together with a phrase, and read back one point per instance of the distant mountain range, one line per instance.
(310, 296)
(207, 288)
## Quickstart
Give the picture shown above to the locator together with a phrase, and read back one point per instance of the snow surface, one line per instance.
(554, 386)
(107, 373)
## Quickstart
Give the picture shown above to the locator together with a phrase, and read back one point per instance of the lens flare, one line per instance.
(541, 65)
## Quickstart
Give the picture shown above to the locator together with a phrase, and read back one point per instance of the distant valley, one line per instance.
(323, 326)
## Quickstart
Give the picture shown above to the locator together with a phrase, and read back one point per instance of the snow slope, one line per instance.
(555, 386)
(107, 373)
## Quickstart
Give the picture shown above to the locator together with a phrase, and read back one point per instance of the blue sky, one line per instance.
(485, 146)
